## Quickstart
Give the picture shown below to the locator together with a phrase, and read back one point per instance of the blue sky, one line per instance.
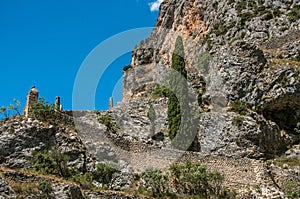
(44, 43)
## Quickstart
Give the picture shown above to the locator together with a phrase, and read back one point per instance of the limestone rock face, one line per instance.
(66, 191)
(251, 137)
(5, 190)
(234, 33)
(245, 51)
(20, 137)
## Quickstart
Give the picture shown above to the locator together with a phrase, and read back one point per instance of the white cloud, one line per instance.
(154, 6)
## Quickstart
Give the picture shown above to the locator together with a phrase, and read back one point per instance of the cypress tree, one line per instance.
(178, 86)
(178, 103)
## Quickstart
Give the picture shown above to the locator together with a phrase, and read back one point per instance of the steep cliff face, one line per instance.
(245, 51)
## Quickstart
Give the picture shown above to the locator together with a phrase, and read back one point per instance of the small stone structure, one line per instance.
(111, 103)
(32, 98)
(57, 105)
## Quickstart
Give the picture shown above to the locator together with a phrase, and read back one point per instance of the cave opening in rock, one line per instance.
(284, 112)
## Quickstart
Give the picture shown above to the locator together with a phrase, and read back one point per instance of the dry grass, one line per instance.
(24, 189)
(280, 63)
(289, 161)
(280, 41)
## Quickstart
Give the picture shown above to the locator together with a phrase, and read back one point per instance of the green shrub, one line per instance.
(189, 180)
(105, 171)
(246, 16)
(193, 179)
(160, 91)
(44, 111)
(51, 162)
(178, 84)
(238, 107)
(45, 188)
(108, 121)
(297, 129)
(268, 15)
(243, 34)
(240, 6)
(292, 189)
(277, 12)
(221, 29)
(252, 4)
(215, 5)
(294, 15)
(157, 181)
(45, 163)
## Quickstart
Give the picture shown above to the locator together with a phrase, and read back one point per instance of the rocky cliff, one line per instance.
(236, 52)
(246, 51)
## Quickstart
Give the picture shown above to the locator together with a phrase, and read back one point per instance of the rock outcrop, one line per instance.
(21, 137)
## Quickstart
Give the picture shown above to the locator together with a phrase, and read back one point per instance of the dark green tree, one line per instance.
(178, 87)
(181, 117)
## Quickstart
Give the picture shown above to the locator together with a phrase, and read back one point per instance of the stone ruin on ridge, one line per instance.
(32, 99)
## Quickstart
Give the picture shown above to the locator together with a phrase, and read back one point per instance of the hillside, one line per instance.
(242, 61)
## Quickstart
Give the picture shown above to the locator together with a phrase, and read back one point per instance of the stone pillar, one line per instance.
(111, 103)
(57, 105)
(32, 98)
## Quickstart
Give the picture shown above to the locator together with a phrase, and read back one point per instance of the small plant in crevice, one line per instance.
(45, 188)
(298, 57)
(268, 15)
(215, 5)
(294, 15)
(237, 121)
(221, 29)
(284, 81)
(297, 129)
(160, 91)
(240, 6)
(126, 68)
(238, 107)
(108, 121)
